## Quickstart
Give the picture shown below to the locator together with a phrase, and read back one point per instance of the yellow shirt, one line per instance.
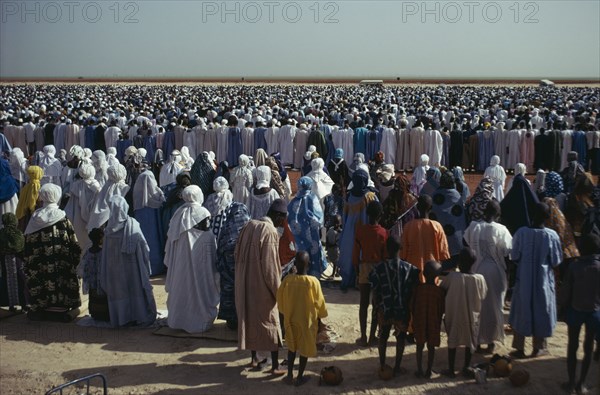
(300, 300)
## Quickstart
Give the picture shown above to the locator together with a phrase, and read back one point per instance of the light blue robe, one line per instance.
(305, 218)
(533, 308)
(124, 276)
(355, 213)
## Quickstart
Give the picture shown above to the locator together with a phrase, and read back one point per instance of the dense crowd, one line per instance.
(113, 184)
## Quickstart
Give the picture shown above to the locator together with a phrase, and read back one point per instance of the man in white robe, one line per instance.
(111, 134)
(222, 133)
(192, 280)
(247, 139)
(300, 143)
(286, 142)
(272, 137)
(434, 145)
(388, 144)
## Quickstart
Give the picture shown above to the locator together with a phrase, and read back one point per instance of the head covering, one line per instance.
(17, 162)
(305, 183)
(86, 172)
(482, 196)
(495, 160)
(118, 208)
(220, 199)
(49, 214)
(190, 214)
(243, 161)
(115, 185)
(520, 168)
(30, 192)
(553, 184)
(260, 157)
(309, 152)
(48, 156)
(263, 177)
(518, 206)
(203, 172)
(360, 181)
(424, 160)
(146, 192)
(8, 184)
(339, 153)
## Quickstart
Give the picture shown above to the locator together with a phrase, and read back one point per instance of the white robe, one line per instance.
(464, 294)
(248, 141)
(388, 144)
(272, 138)
(498, 176)
(491, 243)
(222, 139)
(300, 141)
(192, 281)
(434, 146)
(286, 144)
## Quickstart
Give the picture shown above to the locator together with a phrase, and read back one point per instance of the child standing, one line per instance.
(393, 282)
(427, 310)
(332, 243)
(368, 251)
(464, 294)
(89, 271)
(300, 300)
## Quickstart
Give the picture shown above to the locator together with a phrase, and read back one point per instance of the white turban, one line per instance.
(87, 172)
(263, 177)
(220, 184)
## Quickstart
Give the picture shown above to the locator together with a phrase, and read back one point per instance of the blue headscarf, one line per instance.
(553, 184)
(360, 181)
(304, 184)
(8, 185)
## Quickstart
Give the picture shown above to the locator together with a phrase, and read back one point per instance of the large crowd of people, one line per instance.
(104, 186)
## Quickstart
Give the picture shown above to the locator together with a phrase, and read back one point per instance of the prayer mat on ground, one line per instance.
(218, 332)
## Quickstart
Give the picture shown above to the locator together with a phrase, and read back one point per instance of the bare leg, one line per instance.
(451, 359)
(572, 346)
(385, 334)
(430, 358)
(420, 348)
(301, 379)
(588, 348)
(275, 364)
(372, 333)
(289, 379)
(400, 342)
(365, 293)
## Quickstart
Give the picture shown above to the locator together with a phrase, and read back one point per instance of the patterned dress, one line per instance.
(51, 257)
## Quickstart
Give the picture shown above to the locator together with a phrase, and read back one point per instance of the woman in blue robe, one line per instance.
(236, 218)
(305, 218)
(355, 213)
(147, 200)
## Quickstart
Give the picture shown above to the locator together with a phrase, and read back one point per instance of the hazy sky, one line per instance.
(377, 39)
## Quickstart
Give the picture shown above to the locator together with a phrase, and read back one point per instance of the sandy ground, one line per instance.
(35, 356)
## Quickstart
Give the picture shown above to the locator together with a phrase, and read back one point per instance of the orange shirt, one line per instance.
(423, 240)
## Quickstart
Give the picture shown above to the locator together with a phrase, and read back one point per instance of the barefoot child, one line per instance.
(368, 251)
(332, 243)
(464, 294)
(427, 310)
(393, 282)
(301, 301)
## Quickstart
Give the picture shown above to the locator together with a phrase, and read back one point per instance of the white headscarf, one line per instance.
(189, 214)
(87, 174)
(111, 156)
(115, 185)
(18, 165)
(263, 177)
(322, 182)
(221, 198)
(119, 219)
(186, 159)
(49, 214)
(170, 170)
(146, 192)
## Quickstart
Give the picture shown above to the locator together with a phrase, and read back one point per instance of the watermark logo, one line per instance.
(70, 11)
(269, 11)
(469, 11)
